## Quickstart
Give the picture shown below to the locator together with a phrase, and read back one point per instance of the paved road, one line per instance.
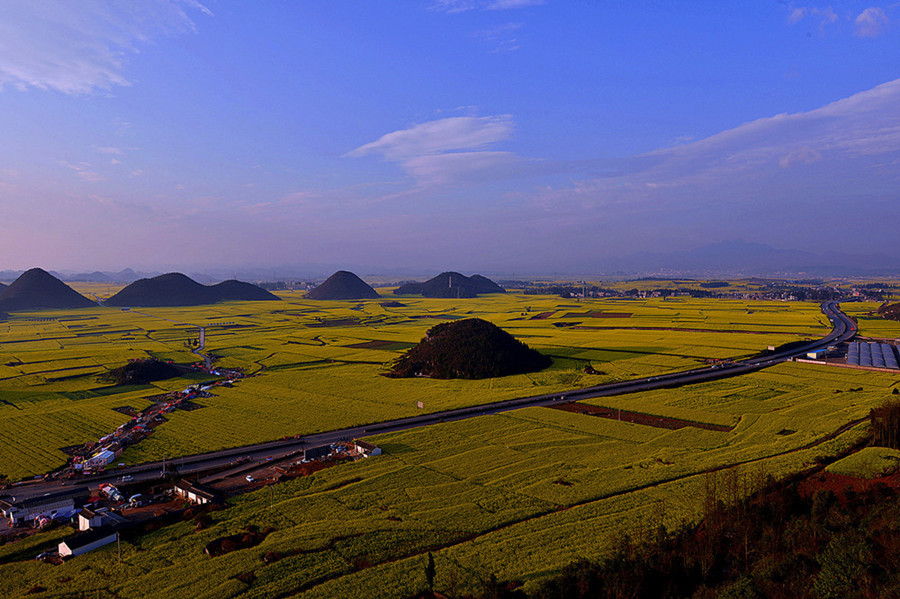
(843, 329)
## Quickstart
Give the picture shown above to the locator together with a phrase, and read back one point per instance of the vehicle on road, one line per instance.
(250, 479)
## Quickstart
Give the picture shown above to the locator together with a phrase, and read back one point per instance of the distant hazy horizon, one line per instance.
(733, 259)
(494, 136)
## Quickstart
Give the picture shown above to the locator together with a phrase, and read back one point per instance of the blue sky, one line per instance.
(495, 135)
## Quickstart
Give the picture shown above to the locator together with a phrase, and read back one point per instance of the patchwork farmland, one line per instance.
(319, 378)
(518, 495)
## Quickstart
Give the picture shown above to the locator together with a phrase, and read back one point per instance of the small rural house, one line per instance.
(366, 449)
(91, 519)
(86, 541)
(194, 492)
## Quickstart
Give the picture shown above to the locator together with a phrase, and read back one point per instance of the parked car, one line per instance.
(127, 478)
(250, 479)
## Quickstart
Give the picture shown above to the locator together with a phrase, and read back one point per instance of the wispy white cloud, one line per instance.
(804, 170)
(85, 171)
(822, 16)
(866, 123)
(456, 6)
(435, 137)
(511, 4)
(502, 38)
(448, 150)
(78, 47)
(454, 167)
(804, 155)
(109, 150)
(871, 22)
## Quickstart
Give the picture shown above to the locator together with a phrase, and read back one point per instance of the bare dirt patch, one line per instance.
(386, 345)
(687, 330)
(543, 315)
(597, 314)
(335, 322)
(639, 418)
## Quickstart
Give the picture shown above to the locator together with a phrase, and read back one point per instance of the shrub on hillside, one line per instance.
(139, 372)
(885, 421)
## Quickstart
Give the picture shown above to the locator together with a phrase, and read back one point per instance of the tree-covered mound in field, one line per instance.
(176, 289)
(36, 289)
(468, 349)
(343, 285)
(141, 372)
(451, 284)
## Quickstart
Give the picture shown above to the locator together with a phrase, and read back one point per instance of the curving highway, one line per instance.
(843, 329)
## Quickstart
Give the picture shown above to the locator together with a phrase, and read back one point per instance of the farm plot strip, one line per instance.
(639, 418)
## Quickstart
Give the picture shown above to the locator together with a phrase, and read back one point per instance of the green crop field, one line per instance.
(518, 494)
(317, 365)
(870, 323)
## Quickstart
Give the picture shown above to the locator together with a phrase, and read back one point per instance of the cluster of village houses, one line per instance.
(109, 447)
(99, 526)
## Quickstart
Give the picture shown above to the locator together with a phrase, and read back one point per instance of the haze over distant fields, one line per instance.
(478, 135)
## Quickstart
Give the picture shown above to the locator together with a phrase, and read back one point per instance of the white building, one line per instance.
(194, 493)
(366, 449)
(99, 460)
(86, 541)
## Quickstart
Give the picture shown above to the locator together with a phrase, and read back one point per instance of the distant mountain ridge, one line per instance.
(37, 289)
(738, 257)
(176, 289)
(343, 285)
(451, 284)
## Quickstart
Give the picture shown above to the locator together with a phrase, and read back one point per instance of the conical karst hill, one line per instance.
(232, 290)
(37, 289)
(343, 285)
(176, 289)
(451, 284)
(468, 349)
(170, 289)
(485, 285)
